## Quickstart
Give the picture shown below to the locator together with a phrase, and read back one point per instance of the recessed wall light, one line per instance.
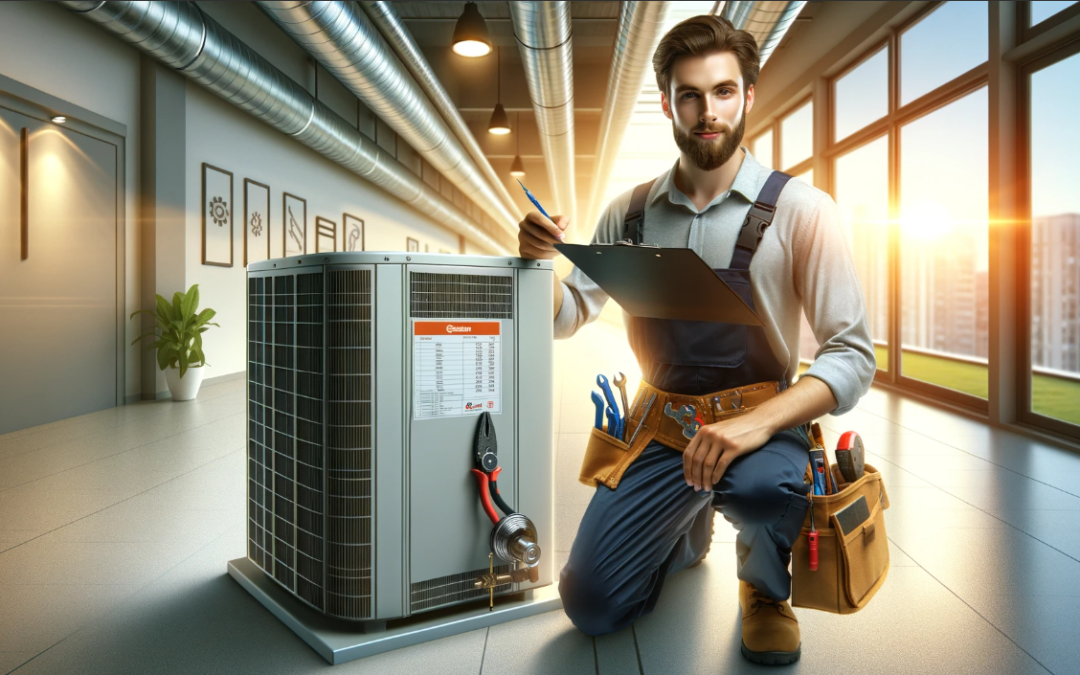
(59, 119)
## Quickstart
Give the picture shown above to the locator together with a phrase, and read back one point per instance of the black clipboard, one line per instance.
(660, 283)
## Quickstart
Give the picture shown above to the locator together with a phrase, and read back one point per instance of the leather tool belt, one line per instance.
(607, 457)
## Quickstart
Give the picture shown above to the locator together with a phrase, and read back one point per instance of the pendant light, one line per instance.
(471, 37)
(500, 121)
(517, 167)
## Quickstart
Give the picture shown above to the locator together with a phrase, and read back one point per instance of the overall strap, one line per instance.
(634, 222)
(757, 220)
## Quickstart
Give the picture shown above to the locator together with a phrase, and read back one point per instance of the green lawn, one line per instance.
(1051, 396)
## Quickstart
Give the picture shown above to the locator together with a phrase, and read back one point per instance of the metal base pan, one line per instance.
(340, 641)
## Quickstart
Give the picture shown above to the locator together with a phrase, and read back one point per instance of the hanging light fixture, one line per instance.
(517, 167)
(471, 37)
(500, 121)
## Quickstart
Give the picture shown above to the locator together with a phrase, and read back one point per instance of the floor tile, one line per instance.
(696, 624)
(546, 644)
(9, 661)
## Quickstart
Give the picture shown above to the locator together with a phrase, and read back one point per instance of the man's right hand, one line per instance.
(538, 234)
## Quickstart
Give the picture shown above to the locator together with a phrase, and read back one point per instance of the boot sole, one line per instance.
(771, 658)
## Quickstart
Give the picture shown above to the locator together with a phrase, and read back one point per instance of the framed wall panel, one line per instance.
(256, 221)
(352, 233)
(325, 235)
(294, 224)
(217, 216)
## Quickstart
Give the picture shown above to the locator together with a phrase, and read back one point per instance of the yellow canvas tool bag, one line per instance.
(851, 566)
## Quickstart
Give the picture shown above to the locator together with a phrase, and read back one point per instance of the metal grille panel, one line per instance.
(285, 425)
(349, 445)
(452, 589)
(460, 296)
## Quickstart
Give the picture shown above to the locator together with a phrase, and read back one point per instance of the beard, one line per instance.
(709, 154)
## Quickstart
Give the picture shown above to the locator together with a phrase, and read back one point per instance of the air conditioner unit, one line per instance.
(368, 375)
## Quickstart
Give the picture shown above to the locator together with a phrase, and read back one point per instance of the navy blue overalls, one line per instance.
(654, 524)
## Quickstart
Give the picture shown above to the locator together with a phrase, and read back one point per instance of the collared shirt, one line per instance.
(803, 264)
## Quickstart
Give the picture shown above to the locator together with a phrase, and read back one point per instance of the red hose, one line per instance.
(485, 497)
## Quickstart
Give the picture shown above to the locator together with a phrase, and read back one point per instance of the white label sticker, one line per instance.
(457, 368)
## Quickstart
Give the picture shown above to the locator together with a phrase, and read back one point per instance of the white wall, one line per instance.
(218, 133)
(49, 48)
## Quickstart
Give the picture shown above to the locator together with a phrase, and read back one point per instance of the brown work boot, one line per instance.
(770, 631)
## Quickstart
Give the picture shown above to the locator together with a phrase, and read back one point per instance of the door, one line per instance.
(58, 334)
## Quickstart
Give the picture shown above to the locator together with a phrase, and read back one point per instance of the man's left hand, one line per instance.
(715, 446)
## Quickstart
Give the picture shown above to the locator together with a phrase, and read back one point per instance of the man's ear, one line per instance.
(749, 99)
(665, 105)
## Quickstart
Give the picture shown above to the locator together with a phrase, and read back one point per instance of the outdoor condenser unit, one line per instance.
(368, 374)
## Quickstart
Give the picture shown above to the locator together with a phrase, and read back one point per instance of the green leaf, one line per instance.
(164, 311)
(185, 304)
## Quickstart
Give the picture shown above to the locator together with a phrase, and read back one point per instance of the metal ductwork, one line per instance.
(640, 28)
(345, 41)
(544, 37)
(766, 21)
(180, 36)
(384, 17)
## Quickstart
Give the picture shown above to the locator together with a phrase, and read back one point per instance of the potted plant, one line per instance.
(179, 328)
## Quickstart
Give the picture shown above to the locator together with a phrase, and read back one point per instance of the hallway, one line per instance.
(115, 528)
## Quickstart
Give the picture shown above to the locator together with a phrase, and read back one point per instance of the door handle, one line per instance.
(24, 196)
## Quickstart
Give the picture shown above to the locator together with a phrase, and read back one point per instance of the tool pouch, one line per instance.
(607, 457)
(851, 567)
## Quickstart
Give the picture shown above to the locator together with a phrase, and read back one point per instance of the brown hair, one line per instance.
(703, 35)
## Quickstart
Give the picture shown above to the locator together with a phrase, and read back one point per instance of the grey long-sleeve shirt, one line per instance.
(804, 260)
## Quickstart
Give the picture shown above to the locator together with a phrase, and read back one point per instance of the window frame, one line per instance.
(1039, 61)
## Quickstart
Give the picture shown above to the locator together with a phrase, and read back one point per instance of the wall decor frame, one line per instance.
(325, 233)
(412, 244)
(218, 205)
(256, 221)
(294, 231)
(352, 233)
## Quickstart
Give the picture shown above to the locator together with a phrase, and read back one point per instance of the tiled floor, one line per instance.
(115, 528)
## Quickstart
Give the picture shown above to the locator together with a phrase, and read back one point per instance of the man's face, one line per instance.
(708, 107)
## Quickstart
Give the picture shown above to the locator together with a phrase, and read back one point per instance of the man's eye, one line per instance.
(725, 92)
(688, 94)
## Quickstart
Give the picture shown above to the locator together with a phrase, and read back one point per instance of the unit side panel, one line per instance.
(389, 442)
(536, 441)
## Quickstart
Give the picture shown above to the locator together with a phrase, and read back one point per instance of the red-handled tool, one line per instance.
(813, 538)
(485, 496)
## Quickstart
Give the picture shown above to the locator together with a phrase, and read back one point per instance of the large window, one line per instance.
(762, 149)
(944, 169)
(862, 193)
(1041, 11)
(861, 96)
(1055, 240)
(797, 136)
(945, 44)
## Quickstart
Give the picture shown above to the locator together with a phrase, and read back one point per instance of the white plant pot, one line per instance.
(184, 388)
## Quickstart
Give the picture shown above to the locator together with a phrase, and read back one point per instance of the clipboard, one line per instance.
(660, 283)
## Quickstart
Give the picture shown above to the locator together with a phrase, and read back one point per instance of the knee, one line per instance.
(588, 601)
(754, 498)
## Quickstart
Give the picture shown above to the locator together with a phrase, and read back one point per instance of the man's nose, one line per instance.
(708, 112)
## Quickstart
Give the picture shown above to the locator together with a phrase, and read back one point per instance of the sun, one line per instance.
(926, 221)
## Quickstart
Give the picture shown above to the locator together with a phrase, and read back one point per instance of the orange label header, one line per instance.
(456, 328)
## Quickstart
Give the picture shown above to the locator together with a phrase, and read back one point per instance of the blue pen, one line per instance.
(535, 203)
